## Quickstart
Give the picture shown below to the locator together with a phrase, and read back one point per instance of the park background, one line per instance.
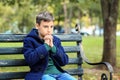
(18, 17)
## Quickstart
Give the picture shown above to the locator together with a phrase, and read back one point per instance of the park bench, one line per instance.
(12, 64)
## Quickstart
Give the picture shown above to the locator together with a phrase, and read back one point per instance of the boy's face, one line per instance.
(45, 28)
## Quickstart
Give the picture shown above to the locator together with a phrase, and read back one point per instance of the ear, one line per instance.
(36, 25)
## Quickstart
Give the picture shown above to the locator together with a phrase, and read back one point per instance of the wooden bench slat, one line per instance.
(12, 75)
(11, 37)
(19, 37)
(21, 62)
(18, 50)
(75, 71)
(20, 75)
(10, 50)
(71, 49)
(70, 37)
(14, 62)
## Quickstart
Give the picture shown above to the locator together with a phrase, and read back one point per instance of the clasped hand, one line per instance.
(49, 40)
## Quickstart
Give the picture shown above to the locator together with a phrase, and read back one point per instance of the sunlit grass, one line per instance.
(93, 48)
(10, 44)
(118, 51)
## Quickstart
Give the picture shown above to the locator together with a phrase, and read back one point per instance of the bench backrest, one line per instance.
(13, 62)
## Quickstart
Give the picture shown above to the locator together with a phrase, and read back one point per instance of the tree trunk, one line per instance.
(65, 17)
(110, 13)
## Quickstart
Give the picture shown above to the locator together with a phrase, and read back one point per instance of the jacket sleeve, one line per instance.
(61, 58)
(33, 55)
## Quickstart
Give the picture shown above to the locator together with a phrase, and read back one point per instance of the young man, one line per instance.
(43, 51)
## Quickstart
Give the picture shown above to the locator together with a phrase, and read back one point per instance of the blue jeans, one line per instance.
(63, 76)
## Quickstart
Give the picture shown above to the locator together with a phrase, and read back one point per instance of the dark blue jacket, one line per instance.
(36, 55)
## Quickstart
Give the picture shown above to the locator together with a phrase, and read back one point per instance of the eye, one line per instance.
(51, 26)
(45, 26)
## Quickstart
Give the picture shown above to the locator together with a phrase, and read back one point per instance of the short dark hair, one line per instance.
(46, 16)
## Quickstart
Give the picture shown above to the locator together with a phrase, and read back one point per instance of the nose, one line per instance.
(49, 30)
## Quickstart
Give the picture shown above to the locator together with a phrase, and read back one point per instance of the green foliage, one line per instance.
(5, 16)
(8, 2)
(24, 12)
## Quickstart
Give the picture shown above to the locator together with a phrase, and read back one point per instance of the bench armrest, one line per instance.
(108, 65)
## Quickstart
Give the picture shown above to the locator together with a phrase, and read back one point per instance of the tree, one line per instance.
(110, 14)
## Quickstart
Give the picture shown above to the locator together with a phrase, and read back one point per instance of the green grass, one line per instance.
(118, 51)
(93, 48)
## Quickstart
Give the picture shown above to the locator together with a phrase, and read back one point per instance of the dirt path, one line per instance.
(94, 74)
